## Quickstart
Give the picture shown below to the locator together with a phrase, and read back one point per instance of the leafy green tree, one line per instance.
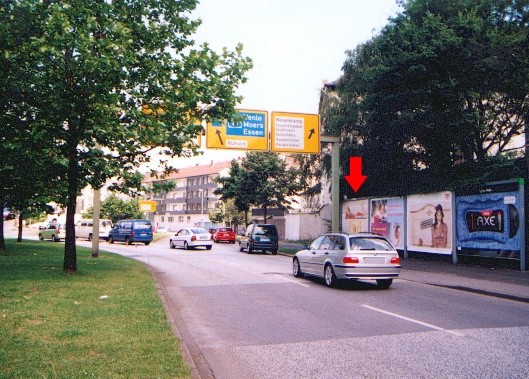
(111, 81)
(262, 179)
(115, 209)
(227, 212)
(443, 84)
(25, 180)
(233, 187)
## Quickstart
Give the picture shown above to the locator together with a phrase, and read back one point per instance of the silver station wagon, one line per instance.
(340, 256)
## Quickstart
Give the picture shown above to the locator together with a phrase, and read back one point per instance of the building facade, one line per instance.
(189, 203)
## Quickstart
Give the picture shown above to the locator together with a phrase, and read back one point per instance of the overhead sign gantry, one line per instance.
(290, 132)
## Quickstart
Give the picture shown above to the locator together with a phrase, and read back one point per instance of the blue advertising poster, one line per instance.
(489, 221)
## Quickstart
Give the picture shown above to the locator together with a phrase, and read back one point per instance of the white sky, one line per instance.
(295, 46)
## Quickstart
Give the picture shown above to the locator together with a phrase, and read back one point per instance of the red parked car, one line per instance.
(224, 234)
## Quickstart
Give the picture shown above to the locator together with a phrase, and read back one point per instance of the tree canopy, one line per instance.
(444, 85)
(104, 83)
(261, 179)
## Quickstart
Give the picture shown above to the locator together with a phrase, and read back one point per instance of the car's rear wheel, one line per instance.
(384, 283)
(330, 277)
(41, 237)
(208, 247)
(127, 241)
(240, 247)
(249, 250)
(186, 246)
(110, 239)
(90, 237)
(296, 269)
(274, 252)
(54, 238)
(171, 244)
(146, 243)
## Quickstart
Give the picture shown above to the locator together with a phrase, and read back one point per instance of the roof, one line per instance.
(190, 172)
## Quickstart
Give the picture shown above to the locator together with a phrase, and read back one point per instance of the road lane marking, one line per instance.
(413, 320)
(294, 281)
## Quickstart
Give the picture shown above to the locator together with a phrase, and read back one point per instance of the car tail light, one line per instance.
(350, 260)
(395, 260)
(193, 238)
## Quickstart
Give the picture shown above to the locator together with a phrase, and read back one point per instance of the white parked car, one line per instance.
(189, 238)
(340, 256)
(85, 229)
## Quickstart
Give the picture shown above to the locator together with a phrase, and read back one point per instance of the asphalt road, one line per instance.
(246, 316)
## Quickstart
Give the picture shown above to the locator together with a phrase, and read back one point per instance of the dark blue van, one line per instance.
(130, 231)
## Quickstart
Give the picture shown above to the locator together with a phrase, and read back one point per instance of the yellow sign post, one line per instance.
(248, 132)
(295, 133)
(147, 205)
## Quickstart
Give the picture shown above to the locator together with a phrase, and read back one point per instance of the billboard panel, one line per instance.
(355, 216)
(429, 223)
(489, 221)
(387, 219)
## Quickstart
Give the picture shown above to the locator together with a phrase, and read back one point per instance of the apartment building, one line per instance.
(189, 203)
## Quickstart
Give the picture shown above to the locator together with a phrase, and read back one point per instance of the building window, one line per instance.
(170, 219)
(188, 218)
(163, 219)
(180, 218)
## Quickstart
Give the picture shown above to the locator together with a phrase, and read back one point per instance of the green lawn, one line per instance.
(107, 321)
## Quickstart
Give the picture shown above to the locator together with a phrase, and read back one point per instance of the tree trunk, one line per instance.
(70, 253)
(20, 226)
(265, 214)
(2, 239)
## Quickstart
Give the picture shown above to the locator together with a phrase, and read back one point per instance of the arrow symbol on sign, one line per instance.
(220, 137)
(355, 177)
(312, 131)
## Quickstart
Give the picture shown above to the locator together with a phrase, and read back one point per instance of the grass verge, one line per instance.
(107, 321)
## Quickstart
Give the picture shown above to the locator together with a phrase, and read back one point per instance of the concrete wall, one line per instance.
(304, 226)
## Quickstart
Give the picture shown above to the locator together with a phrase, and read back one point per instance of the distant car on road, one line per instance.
(189, 238)
(8, 215)
(224, 234)
(53, 231)
(84, 229)
(340, 256)
(260, 237)
(130, 231)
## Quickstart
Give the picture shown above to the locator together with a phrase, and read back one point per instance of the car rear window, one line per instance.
(265, 230)
(142, 225)
(199, 230)
(369, 243)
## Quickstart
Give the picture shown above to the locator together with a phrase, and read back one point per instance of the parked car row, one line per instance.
(331, 256)
(128, 231)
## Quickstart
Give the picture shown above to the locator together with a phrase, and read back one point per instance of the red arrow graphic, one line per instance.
(355, 177)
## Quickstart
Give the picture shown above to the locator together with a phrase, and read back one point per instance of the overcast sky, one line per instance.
(295, 46)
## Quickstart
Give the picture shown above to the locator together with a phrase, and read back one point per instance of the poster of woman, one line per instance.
(387, 219)
(355, 216)
(430, 222)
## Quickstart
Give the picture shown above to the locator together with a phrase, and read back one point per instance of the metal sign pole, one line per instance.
(335, 180)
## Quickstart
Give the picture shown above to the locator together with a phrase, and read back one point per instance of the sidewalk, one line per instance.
(494, 281)
(466, 276)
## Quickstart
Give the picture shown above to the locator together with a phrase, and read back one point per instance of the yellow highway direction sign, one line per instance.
(295, 133)
(248, 132)
(147, 205)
